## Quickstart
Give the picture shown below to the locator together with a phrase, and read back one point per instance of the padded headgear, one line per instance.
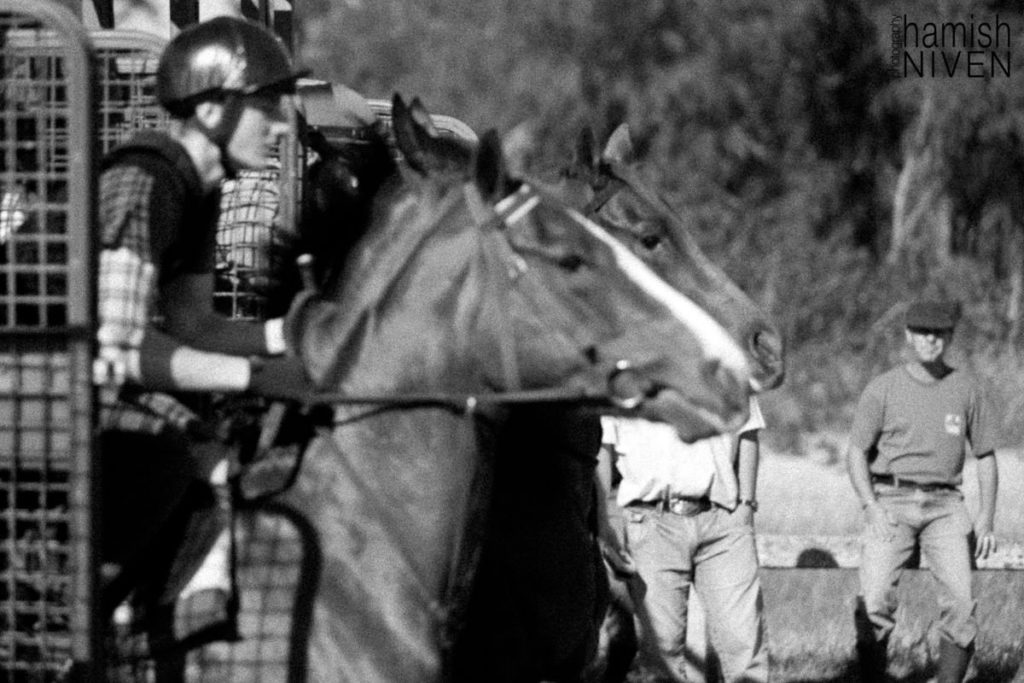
(225, 55)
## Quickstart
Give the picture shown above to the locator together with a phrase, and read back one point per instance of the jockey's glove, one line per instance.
(282, 377)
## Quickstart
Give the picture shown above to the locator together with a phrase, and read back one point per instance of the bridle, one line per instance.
(614, 177)
(491, 222)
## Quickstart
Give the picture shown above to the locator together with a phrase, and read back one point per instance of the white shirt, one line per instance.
(656, 464)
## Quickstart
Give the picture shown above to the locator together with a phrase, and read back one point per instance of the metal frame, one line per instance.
(48, 574)
(126, 84)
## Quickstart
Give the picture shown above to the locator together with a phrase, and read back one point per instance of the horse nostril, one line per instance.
(766, 345)
(767, 350)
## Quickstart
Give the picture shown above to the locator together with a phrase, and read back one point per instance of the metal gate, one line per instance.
(126, 85)
(47, 572)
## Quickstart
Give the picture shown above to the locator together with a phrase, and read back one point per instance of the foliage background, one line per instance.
(830, 189)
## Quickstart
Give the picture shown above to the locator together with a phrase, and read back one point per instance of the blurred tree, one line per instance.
(826, 186)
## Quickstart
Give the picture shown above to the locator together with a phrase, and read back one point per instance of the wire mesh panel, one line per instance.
(47, 573)
(250, 221)
(278, 561)
(258, 210)
(126, 80)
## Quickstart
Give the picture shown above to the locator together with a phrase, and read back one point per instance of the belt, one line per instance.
(685, 507)
(893, 480)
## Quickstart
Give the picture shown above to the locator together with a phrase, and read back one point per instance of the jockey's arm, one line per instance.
(189, 316)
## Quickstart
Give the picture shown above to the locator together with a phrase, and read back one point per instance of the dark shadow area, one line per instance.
(816, 558)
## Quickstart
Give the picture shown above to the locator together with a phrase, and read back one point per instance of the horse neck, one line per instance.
(413, 288)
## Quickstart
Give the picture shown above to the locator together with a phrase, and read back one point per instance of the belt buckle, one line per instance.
(685, 507)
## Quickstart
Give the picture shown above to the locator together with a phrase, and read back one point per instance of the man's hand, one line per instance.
(986, 543)
(618, 558)
(879, 520)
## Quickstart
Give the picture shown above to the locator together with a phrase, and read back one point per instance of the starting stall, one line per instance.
(67, 96)
(48, 629)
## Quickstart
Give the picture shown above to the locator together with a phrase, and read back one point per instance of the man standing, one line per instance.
(688, 512)
(905, 461)
(226, 84)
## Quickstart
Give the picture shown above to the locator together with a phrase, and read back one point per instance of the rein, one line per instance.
(460, 402)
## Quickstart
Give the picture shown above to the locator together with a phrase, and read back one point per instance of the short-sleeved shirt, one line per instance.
(920, 430)
(656, 464)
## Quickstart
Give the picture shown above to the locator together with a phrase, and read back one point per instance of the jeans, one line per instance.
(939, 523)
(715, 552)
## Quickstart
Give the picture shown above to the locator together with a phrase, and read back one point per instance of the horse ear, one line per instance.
(620, 146)
(585, 149)
(421, 117)
(406, 138)
(489, 168)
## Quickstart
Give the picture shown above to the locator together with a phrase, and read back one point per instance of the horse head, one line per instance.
(608, 188)
(524, 279)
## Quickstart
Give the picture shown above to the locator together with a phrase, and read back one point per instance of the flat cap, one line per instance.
(933, 315)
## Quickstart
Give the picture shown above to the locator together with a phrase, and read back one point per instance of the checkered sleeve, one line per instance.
(125, 196)
(127, 272)
(126, 289)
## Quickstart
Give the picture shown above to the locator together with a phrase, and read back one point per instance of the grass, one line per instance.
(810, 626)
(812, 494)
(810, 611)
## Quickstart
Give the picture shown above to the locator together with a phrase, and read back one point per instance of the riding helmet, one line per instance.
(219, 57)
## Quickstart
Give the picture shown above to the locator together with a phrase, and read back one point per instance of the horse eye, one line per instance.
(572, 262)
(650, 241)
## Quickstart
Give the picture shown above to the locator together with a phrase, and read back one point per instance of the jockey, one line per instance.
(227, 84)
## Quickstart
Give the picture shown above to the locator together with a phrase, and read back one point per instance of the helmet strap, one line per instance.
(232, 106)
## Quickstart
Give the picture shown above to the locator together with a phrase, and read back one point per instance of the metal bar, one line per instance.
(184, 12)
(104, 12)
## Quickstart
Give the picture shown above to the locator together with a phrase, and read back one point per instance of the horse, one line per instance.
(467, 293)
(608, 187)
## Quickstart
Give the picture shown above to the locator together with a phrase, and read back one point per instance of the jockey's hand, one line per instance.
(618, 559)
(281, 378)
